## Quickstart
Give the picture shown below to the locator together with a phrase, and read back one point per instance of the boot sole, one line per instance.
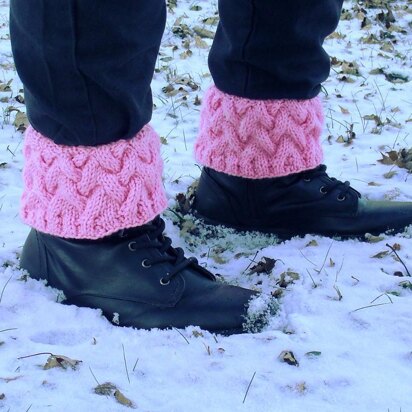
(283, 236)
(223, 332)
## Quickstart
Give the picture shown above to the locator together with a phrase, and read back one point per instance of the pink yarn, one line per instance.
(90, 192)
(259, 138)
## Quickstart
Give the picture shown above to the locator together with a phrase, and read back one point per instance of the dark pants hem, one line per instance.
(86, 65)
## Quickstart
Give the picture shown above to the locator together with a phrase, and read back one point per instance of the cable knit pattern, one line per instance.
(90, 192)
(259, 138)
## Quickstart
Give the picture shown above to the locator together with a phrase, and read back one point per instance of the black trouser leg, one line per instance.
(272, 49)
(87, 65)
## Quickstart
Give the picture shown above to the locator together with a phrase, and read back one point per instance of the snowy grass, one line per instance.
(345, 307)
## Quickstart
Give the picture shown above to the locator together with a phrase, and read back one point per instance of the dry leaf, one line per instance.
(288, 357)
(105, 389)
(171, 4)
(200, 43)
(183, 204)
(197, 334)
(380, 255)
(218, 259)
(21, 122)
(313, 354)
(402, 158)
(277, 293)
(123, 400)
(109, 389)
(60, 361)
(186, 54)
(350, 68)
(204, 33)
(375, 118)
(396, 78)
(189, 227)
(212, 21)
(181, 30)
(266, 265)
(336, 35)
(287, 278)
(390, 174)
(5, 87)
(19, 99)
(344, 110)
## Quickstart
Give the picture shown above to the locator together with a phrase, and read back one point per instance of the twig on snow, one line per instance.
(248, 387)
(399, 258)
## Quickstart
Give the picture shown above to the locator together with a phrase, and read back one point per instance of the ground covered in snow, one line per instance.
(345, 306)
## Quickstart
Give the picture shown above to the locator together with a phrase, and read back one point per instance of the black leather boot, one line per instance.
(305, 203)
(137, 279)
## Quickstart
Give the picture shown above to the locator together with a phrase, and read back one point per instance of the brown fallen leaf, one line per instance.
(211, 21)
(266, 265)
(344, 110)
(204, 33)
(5, 87)
(288, 357)
(123, 400)
(287, 278)
(380, 255)
(277, 293)
(60, 361)
(105, 389)
(183, 205)
(21, 122)
(200, 43)
(109, 389)
(390, 174)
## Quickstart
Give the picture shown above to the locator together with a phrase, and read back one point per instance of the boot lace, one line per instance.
(330, 183)
(156, 240)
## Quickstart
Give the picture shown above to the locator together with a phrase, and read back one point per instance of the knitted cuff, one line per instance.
(90, 192)
(259, 138)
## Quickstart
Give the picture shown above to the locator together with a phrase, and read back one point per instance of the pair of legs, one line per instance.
(93, 171)
(87, 67)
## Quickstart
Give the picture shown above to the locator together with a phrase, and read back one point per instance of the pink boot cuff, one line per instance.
(90, 192)
(259, 138)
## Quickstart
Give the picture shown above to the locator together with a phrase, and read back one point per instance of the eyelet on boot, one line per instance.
(146, 263)
(164, 282)
(341, 198)
(307, 180)
(131, 246)
(323, 190)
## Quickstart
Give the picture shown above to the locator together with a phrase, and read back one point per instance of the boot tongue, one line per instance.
(149, 229)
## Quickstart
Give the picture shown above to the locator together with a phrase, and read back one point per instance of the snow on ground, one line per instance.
(345, 306)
